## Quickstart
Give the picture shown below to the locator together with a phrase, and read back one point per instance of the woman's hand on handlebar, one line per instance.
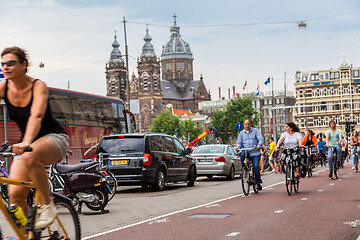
(20, 148)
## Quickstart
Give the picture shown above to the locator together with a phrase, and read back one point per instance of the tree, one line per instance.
(165, 122)
(189, 126)
(236, 111)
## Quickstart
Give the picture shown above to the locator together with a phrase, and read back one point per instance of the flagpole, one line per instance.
(273, 110)
(286, 118)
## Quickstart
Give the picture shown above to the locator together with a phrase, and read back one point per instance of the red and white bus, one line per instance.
(86, 117)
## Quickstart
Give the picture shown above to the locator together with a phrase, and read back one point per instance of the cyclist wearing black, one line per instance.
(355, 139)
(248, 138)
(27, 102)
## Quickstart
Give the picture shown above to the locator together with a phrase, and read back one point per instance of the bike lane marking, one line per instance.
(183, 210)
(233, 234)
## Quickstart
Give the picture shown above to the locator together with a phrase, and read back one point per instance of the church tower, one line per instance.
(147, 87)
(177, 60)
(116, 73)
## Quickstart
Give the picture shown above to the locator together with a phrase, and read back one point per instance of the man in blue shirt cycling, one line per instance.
(248, 138)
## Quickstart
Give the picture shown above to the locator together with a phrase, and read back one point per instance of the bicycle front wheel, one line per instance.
(336, 169)
(245, 180)
(288, 180)
(295, 181)
(66, 224)
(112, 184)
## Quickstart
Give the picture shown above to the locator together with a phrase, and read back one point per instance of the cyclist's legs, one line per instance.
(45, 152)
(338, 150)
(358, 152)
(255, 160)
(329, 156)
(353, 155)
(242, 158)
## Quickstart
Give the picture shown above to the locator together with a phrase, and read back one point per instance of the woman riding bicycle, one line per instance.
(291, 138)
(27, 102)
(354, 141)
(310, 140)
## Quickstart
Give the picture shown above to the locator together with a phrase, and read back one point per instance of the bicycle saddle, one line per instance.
(73, 168)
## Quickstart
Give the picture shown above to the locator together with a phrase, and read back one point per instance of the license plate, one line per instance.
(119, 162)
(204, 160)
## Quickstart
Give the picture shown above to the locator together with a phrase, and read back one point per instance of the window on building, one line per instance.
(334, 75)
(357, 118)
(314, 77)
(322, 76)
(145, 82)
(283, 100)
(327, 75)
(337, 105)
(321, 92)
(337, 120)
(168, 66)
(355, 73)
(328, 91)
(330, 106)
(180, 65)
(356, 104)
(316, 121)
(323, 106)
(277, 101)
(270, 101)
(314, 92)
(336, 90)
(304, 77)
(345, 89)
(346, 105)
(155, 82)
(322, 121)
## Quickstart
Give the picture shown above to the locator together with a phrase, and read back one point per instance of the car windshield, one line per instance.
(209, 149)
(122, 145)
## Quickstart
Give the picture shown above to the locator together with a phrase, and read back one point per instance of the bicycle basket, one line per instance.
(314, 150)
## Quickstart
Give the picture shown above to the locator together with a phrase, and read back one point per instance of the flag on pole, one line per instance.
(245, 85)
(267, 81)
(257, 91)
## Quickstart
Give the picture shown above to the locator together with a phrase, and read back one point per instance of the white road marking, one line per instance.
(353, 223)
(180, 211)
(164, 220)
(213, 205)
(331, 184)
(320, 190)
(304, 199)
(233, 234)
(339, 179)
(279, 211)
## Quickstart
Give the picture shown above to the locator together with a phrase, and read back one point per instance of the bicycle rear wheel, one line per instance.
(66, 225)
(245, 180)
(112, 184)
(295, 181)
(288, 180)
(336, 169)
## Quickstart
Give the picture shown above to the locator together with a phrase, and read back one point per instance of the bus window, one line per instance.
(61, 109)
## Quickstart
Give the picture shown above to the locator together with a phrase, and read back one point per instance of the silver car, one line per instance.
(217, 159)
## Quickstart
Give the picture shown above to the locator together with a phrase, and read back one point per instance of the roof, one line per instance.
(170, 92)
(182, 112)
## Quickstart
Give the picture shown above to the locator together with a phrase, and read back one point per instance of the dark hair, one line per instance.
(332, 121)
(293, 127)
(357, 134)
(247, 119)
(271, 138)
(311, 132)
(21, 54)
(320, 138)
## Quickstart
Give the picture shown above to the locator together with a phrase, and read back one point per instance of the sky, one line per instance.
(232, 41)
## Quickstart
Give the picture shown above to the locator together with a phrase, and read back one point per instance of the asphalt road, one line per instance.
(323, 209)
(217, 209)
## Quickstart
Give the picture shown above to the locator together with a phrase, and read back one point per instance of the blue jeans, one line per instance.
(353, 154)
(255, 161)
(330, 154)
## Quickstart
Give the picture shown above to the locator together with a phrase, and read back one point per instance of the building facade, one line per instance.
(165, 82)
(116, 73)
(329, 95)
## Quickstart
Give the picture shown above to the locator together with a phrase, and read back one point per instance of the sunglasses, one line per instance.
(9, 63)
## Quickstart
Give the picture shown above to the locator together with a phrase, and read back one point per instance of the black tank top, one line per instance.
(20, 115)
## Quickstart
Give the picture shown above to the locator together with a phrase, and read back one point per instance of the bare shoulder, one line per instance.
(40, 87)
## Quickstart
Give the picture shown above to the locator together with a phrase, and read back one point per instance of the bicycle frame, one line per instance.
(5, 211)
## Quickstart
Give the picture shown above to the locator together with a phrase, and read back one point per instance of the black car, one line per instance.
(147, 159)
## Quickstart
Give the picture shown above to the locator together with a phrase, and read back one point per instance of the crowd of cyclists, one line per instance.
(310, 149)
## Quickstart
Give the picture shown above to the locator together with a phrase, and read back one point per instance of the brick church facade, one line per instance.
(168, 82)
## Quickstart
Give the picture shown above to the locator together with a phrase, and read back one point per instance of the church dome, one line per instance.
(148, 48)
(116, 56)
(176, 47)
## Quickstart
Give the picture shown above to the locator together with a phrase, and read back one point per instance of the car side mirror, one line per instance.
(188, 150)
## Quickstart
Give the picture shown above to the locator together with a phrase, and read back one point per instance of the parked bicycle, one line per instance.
(289, 157)
(65, 226)
(248, 173)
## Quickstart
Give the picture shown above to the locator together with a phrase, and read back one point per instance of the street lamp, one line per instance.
(302, 24)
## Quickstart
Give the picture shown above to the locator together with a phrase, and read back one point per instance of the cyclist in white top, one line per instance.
(291, 138)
